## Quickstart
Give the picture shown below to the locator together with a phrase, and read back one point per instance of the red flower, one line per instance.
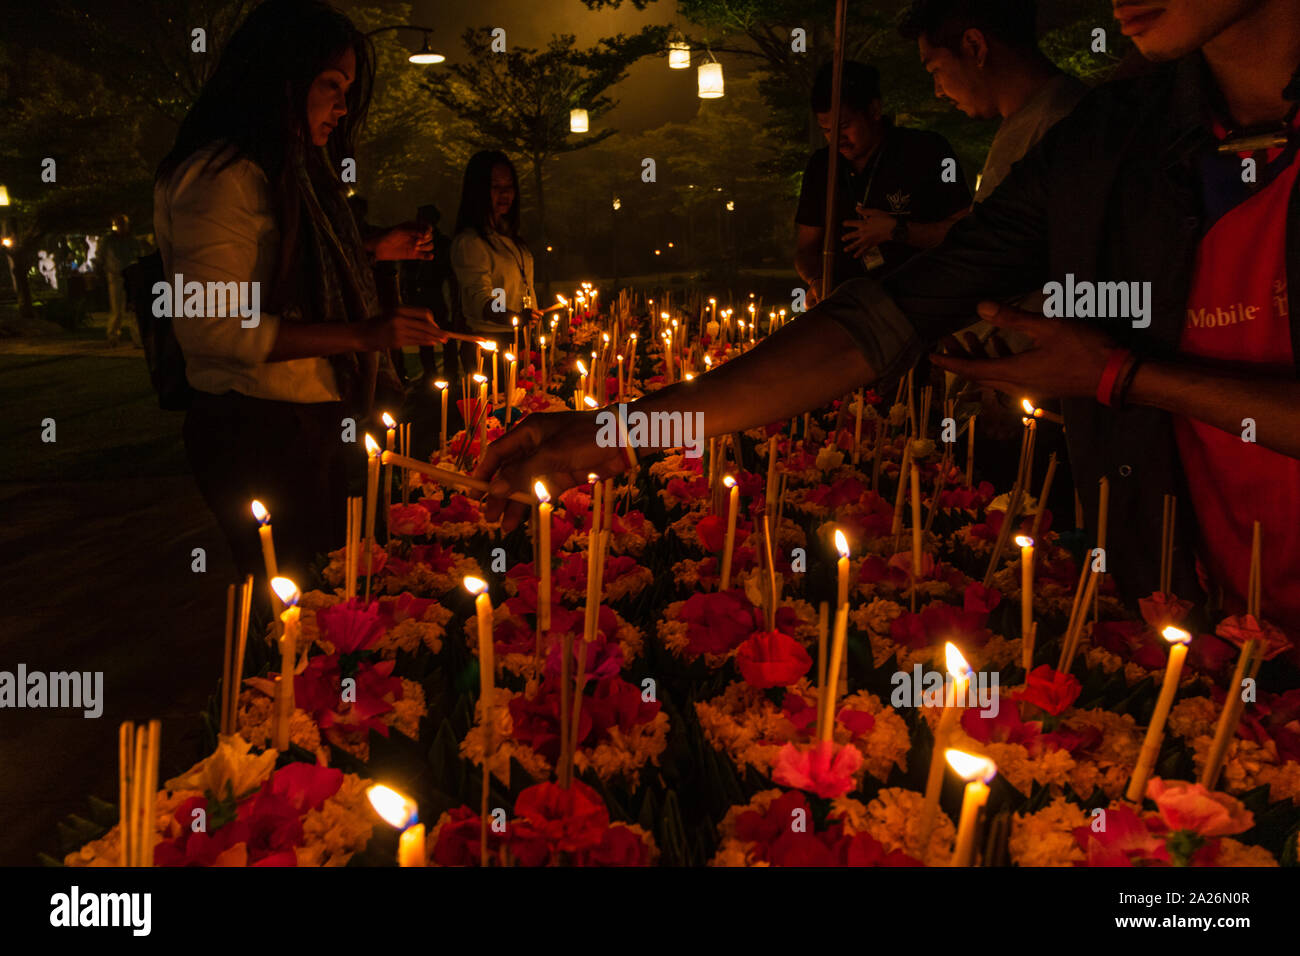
(764, 828)
(1160, 609)
(980, 600)
(772, 659)
(1189, 806)
(306, 786)
(820, 768)
(350, 627)
(458, 839)
(619, 846)
(712, 532)
(1238, 630)
(568, 820)
(858, 722)
(1125, 840)
(1003, 727)
(717, 621)
(798, 711)
(408, 519)
(862, 849)
(1049, 690)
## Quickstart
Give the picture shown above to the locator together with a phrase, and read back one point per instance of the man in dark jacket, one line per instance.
(1172, 197)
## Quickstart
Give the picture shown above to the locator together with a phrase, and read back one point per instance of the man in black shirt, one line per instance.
(895, 186)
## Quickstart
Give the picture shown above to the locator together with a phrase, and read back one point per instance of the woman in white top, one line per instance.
(250, 197)
(492, 263)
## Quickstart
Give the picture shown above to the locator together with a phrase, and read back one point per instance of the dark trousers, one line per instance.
(289, 456)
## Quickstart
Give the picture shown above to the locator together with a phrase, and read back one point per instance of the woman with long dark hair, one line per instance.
(487, 252)
(251, 194)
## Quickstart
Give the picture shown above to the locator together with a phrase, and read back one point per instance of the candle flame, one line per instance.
(605, 336)
(561, 299)
(543, 340)
(690, 376)
(957, 665)
(633, 336)
(395, 809)
(509, 357)
(440, 384)
(841, 543)
(1024, 541)
(475, 585)
(487, 345)
(1176, 635)
(582, 369)
(514, 320)
(589, 401)
(480, 378)
(540, 491)
(1026, 422)
(372, 446)
(970, 766)
(1028, 406)
(729, 481)
(285, 590)
(260, 512)
(389, 420)
(620, 358)
(592, 478)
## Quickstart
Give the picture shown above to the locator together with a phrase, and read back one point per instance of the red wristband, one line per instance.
(1106, 385)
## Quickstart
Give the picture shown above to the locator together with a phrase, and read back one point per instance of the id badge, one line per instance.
(873, 258)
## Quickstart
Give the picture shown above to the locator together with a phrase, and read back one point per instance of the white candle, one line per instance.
(978, 772)
(372, 492)
(1179, 641)
(543, 556)
(733, 504)
(960, 672)
(288, 593)
(441, 386)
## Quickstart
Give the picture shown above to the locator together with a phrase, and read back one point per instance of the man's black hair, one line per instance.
(944, 22)
(859, 88)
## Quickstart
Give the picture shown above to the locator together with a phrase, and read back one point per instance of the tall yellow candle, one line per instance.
(543, 556)
(970, 453)
(486, 681)
(268, 545)
(960, 672)
(372, 493)
(510, 385)
(390, 426)
(442, 387)
(482, 412)
(857, 427)
(978, 772)
(733, 504)
(542, 364)
(1026, 600)
(288, 593)
(841, 569)
(1178, 640)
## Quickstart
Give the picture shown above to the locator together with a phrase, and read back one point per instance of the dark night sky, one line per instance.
(650, 96)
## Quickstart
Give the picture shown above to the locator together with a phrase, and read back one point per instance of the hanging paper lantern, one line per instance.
(578, 121)
(710, 80)
(679, 55)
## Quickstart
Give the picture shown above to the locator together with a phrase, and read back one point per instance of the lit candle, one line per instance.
(1178, 640)
(441, 386)
(960, 672)
(978, 772)
(486, 680)
(620, 378)
(543, 556)
(510, 385)
(542, 360)
(372, 492)
(264, 532)
(514, 322)
(582, 376)
(829, 691)
(1026, 600)
(732, 506)
(390, 423)
(288, 593)
(842, 569)
(400, 812)
(482, 412)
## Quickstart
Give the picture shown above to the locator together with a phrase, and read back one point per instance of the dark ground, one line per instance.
(96, 537)
(95, 552)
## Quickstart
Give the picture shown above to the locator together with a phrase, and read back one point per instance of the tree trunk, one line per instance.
(19, 264)
(543, 259)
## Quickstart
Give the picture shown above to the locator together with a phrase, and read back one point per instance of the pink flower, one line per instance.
(408, 520)
(1189, 806)
(819, 769)
(1239, 630)
(1160, 609)
(350, 627)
